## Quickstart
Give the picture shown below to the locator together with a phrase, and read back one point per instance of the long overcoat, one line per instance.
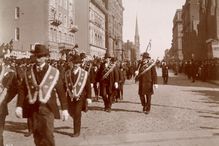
(146, 82)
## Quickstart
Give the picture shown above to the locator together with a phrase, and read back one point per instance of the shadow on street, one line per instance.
(17, 127)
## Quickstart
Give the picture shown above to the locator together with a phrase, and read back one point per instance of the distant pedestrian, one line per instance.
(165, 72)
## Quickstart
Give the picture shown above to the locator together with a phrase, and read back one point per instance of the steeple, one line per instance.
(137, 40)
(136, 28)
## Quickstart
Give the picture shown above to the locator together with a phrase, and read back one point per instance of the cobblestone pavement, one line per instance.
(183, 113)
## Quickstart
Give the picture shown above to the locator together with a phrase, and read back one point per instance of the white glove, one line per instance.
(19, 112)
(136, 72)
(92, 85)
(155, 86)
(116, 85)
(65, 115)
(89, 101)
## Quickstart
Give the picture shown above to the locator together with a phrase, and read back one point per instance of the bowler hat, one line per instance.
(146, 55)
(76, 59)
(82, 55)
(40, 50)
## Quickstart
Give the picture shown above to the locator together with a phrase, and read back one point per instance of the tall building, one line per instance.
(129, 51)
(190, 20)
(209, 28)
(51, 22)
(91, 20)
(114, 29)
(137, 40)
(177, 36)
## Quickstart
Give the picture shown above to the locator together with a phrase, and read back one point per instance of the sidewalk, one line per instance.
(169, 138)
(216, 82)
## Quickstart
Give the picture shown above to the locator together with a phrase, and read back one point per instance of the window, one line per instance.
(17, 12)
(17, 34)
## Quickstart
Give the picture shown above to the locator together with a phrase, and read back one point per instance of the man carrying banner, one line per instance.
(147, 77)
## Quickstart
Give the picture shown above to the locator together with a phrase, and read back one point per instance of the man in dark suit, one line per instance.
(37, 97)
(147, 77)
(165, 72)
(8, 90)
(78, 87)
(108, 79)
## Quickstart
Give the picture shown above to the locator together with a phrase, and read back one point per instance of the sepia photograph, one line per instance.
(109, 72)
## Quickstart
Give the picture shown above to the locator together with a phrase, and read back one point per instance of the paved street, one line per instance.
(183, 113)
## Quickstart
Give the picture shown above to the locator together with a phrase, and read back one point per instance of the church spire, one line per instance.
(136, 27)
(137, 40)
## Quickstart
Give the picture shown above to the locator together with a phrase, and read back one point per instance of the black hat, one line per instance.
(40, 50)
(146, 55)
(76, 59)
(82, 55)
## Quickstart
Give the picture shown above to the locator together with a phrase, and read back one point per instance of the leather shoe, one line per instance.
(76, 135)
(28, 134)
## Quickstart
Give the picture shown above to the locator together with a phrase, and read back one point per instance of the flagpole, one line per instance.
(149, 45)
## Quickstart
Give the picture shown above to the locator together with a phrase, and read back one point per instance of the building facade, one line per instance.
(190, 20)
(129, 53)
(209, 28)
(51, 22)
(177, 36)
(114, 28)
(91, 20)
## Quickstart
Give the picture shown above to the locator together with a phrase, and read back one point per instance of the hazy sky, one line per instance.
(155, 22)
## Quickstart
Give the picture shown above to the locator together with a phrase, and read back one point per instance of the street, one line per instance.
(182, 113)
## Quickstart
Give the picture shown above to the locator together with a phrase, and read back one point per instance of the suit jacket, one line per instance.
(86, 93)
(146, 82)
(165, 71)
(28, 108)
(9, 81)
(110, 80)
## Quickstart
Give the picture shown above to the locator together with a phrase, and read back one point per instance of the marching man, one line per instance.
(108, 79)
(147, 77)
(8, 90)
(37, 97)
(78, 87)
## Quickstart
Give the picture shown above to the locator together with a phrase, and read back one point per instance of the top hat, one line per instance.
(146, 55)
(40, 50)
(76, 59)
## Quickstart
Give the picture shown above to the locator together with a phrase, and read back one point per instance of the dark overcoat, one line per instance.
(58, 90)
(109, 81)
(86, 93)
(9, 81)
(146, 82)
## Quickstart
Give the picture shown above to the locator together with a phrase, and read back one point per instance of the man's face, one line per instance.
(41, 60)
(75, 66)
(107, 60)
